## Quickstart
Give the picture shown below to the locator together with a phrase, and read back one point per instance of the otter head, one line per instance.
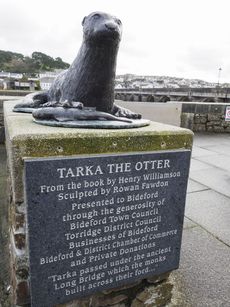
(99, 26)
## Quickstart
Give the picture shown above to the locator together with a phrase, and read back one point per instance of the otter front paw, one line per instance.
(122, 112)
(28, 104)
(32, 101)
(72, 104)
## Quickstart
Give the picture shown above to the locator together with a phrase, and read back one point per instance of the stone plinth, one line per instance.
(25, 139)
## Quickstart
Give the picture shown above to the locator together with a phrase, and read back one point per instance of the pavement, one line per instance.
(203, 278)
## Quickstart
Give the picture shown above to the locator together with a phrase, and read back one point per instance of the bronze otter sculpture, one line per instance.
(89, 81)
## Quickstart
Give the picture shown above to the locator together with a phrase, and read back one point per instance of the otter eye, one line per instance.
(83, 21)
(118, 21)
(96, 16)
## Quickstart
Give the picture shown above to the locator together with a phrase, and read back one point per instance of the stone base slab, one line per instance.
(25, 139)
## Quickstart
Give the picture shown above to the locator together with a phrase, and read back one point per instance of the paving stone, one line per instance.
(223, 149)
(219, 160)
(198, 151)
(203, 277)
(207, 139)
(188, 223)
(212, 211)
(194, 186)
(214, 178)
(198, 165)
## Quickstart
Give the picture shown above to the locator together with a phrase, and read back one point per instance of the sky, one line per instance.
(180, 38)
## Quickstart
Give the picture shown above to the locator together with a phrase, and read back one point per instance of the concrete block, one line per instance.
(25, 139)
(43, 141)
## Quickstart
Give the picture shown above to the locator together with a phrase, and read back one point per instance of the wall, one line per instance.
(205, 117)
(4, 96)
(197, 116)
(2, 134)
(166, 113)
(2, 129)
(13, 93)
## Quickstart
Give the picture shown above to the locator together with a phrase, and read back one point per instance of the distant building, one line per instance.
(1, 84)
(10, 75)
(8, 84)
(47, 78)
(146, 85)
(25, 85)
(51, 74)
(118, 86)
(46, 82)
(119, 78)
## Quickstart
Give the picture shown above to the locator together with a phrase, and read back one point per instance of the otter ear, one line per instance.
(83, 21)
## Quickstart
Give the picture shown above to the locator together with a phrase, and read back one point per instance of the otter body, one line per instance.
(91, 77)
(70, 114)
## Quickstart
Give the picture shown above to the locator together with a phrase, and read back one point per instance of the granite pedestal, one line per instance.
(27, 141)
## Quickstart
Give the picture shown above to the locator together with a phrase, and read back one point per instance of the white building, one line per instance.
(45, 82)
(118, 86)
(9, 75)
(47, 78)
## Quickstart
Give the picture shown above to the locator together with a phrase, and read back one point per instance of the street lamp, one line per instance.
(218, 83)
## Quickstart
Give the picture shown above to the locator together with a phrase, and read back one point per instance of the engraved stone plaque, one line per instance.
(102, 221)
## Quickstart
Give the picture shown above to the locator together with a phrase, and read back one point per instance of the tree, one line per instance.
(17, 62)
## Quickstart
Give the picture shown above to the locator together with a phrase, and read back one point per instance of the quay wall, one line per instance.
(2, 129)
(205, 117)
(197, 116)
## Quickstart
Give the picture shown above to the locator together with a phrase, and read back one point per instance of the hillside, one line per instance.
(17, 62)
(137, 81)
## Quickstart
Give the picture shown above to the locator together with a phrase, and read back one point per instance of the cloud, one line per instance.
(182, 38)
